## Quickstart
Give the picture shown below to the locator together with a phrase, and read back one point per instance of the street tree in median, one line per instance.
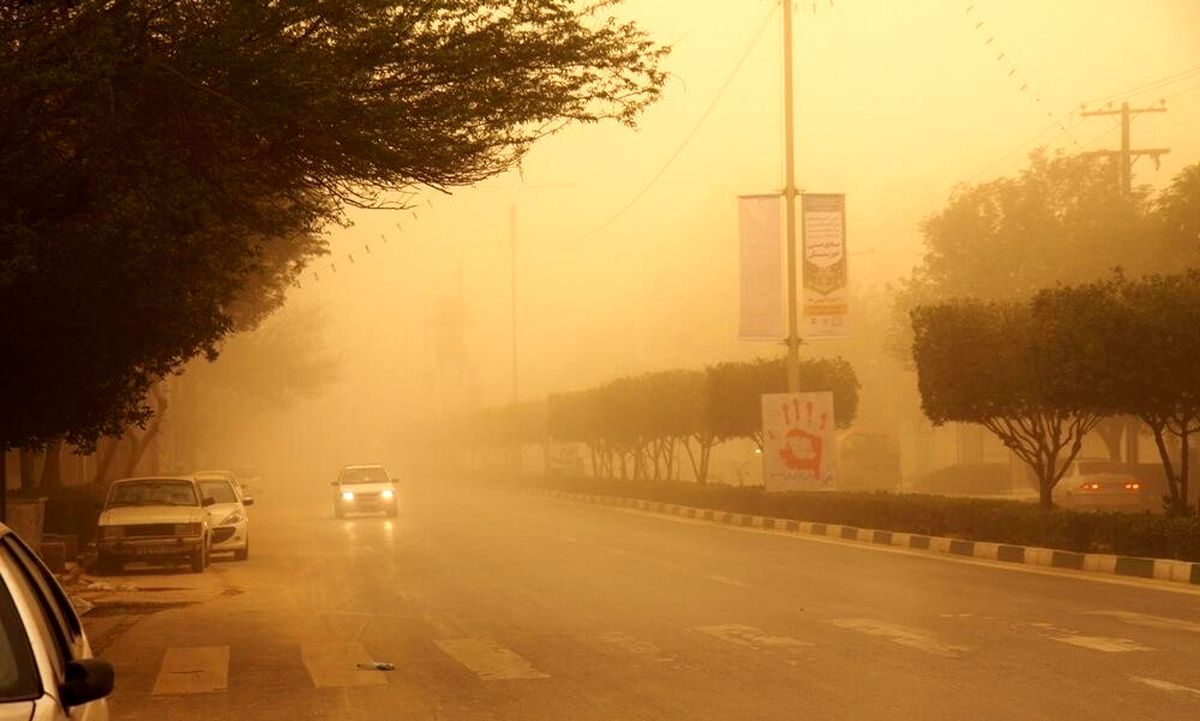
(151, 150)
(1131, 346)
(987, 363)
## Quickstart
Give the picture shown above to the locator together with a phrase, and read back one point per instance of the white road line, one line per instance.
(202, 669)
(1167, 686)
(1102, 643)
(633, 644)
(335, 665)
(1142, 619)
(728, 581)
(751, 637)
(900, 635)
(488, 660)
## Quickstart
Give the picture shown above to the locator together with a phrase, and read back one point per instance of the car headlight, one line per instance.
(347, 495)
(234, 517)
(108, 532)
(389, 494)
(188, 529)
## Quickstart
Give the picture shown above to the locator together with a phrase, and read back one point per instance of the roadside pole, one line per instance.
(789, 193)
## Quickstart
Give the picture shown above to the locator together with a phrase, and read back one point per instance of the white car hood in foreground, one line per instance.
(130, 515)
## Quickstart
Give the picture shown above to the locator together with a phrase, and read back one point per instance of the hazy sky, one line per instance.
(896, 102)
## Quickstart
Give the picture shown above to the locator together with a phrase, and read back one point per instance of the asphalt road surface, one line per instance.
(491, 605)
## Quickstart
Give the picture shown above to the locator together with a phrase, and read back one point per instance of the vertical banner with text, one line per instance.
(760, 233)
(823, 265)
(799, 445)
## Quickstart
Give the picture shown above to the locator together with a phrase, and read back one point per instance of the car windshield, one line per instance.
(153, 493)
(219, 491)
(364, 474)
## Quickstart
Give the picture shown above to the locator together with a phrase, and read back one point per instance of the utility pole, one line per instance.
(789, 194)
(1126, 156)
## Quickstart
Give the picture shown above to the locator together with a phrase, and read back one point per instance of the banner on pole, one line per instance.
(799, 445)
(823, 260)
(759, 228)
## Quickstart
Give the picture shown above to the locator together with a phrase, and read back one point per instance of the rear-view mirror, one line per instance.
(88, 679)
(207, 501)
(333, 483)
(248, 501)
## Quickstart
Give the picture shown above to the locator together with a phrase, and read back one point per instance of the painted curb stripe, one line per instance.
(1066, 559)
(918, 542)
(818, 529)
(1011, 554)
(1131, 566)
(962, 548)
(849, 532)
(884, 537)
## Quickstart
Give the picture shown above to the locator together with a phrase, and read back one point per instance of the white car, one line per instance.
(364, 488)
(154, 520)
(230, 521)
(47, 670)
(1102, 484)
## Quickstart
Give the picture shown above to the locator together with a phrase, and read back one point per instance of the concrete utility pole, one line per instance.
(1126, 156)
(789, 195)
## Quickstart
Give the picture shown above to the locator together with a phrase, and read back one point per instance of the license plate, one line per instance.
(151, 550)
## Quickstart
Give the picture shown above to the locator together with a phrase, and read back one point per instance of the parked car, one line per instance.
(155, 520)
(1102, 484)
(47, 670)
(230, 520)
(364, 488)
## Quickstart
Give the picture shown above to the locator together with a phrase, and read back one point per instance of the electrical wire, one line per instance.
(1151, 85)
(695, 129)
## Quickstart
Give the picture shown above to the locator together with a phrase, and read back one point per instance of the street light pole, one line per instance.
(512, 244)
(789, 193)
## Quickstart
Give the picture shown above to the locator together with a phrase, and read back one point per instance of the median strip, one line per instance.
(1168, 570)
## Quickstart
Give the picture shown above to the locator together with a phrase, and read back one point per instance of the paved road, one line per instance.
(498, 606)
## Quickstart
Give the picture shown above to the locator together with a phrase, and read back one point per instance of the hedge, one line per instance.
(998, 521)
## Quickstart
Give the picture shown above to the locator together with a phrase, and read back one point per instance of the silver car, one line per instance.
(46, 666)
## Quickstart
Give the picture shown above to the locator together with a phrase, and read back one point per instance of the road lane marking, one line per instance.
(634, 645)
(728, 581)
(1167, 686)
(335, 665)
(198, 669)
(568, 539)
(1102, 643)
(488, 659)
(751, 637)
(900, 635)
(1143, 619)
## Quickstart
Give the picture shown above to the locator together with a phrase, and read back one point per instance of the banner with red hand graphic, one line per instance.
(799, 445)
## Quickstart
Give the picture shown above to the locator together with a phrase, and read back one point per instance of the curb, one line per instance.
(1159, 569)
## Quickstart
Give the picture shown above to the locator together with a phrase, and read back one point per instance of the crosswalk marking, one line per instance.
(201, 669)
(1143, 619)
(335, 665)
(907, 637)
(1102, 643)
(1168, 686)
(751, 637)
(488, 659)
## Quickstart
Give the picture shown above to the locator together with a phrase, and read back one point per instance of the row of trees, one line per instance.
(1042, 373)
(641, 426)
(169, 167)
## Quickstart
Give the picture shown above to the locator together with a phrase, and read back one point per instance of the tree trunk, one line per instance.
(1160, 440)
(27, 458)
(105, 453)
(1111, 431)
(52, 469)
(1184, 459)
(139, 443)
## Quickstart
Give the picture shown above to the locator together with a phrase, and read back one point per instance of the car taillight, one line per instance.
(1133, 486)
(1090, 487)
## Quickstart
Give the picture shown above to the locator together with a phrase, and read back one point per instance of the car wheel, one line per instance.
(242, 553)
(199, 559)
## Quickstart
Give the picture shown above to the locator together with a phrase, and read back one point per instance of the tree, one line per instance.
(152, 152)
(735, 392)
(989, 363)
(1131, 346)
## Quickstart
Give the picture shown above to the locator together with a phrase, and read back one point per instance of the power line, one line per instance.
(1151, 85)
(695, 129)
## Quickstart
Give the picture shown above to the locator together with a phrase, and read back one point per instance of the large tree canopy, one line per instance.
(150, 152)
